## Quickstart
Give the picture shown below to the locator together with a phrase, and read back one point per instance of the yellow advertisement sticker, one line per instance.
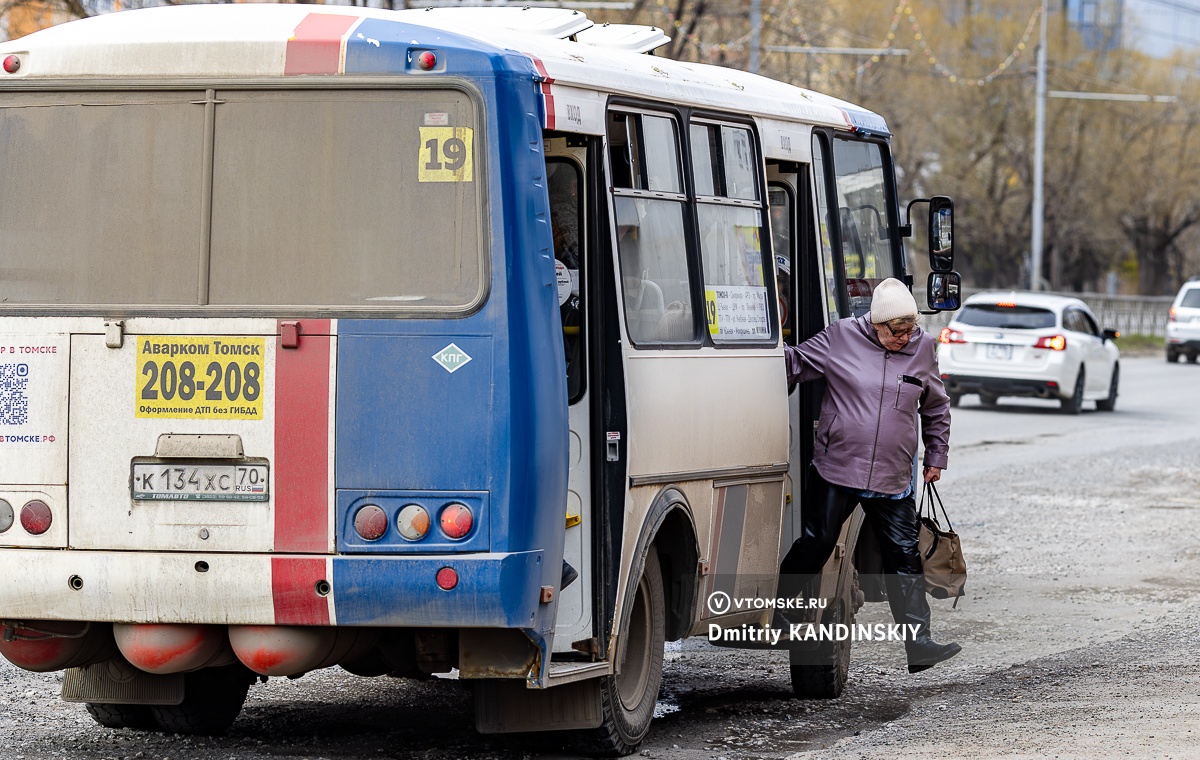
(446, 155)
(194, 377)
(710, 309)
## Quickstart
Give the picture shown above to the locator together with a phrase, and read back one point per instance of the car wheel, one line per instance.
(1172, 356)
(955, 398)
(988, 399)
(1074, 404)
(1191, 358)
(1110, 403)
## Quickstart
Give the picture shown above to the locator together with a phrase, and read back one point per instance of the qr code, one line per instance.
(14, 394)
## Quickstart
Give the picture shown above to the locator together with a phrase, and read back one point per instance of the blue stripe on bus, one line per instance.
(494, 590)
(499, 424)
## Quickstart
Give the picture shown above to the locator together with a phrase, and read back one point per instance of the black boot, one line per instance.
(906, 596)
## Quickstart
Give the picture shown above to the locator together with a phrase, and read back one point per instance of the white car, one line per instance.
(1029, 344)
(1183, 324)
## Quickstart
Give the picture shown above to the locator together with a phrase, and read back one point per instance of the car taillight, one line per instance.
(370, 522)
(1171, 315)
(951, 336)
(1054, 343)
(457, 520)
(413, 522)
(36, 517)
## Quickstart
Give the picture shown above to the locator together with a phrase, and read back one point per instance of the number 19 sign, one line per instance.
(445, 155)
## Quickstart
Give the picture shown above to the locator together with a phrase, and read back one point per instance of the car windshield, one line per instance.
(1191, 299)
(1008, 317)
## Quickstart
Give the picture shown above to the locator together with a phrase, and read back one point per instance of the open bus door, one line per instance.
(809, 300)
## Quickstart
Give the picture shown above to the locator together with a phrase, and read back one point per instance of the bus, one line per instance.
(415, 342)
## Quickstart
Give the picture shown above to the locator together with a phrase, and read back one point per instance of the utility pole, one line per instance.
(1039, 160)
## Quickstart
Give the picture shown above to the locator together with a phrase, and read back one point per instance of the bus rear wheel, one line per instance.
(822, 673)
(628, 697)
(212, 699)
(136, 717)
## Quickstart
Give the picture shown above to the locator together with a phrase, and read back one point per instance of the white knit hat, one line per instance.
(892, 300)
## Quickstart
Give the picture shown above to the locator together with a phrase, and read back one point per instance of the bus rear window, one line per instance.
(324, 198)
(1008, 317)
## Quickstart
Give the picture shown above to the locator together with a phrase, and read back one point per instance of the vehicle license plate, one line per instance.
(999, 351)
(188, 481)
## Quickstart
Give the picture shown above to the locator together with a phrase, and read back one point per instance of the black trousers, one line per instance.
(825, 509)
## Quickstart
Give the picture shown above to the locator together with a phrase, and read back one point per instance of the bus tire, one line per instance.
(136, 717)
(212, 699)
(821, 673)
(628, 697)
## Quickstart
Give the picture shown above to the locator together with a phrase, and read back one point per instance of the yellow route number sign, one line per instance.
(446, 155)
(217, 377)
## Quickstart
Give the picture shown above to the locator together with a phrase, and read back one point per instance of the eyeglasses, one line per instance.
(905, 333)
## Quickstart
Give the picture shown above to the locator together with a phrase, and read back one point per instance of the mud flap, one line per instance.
(119, 683)
(507, 706)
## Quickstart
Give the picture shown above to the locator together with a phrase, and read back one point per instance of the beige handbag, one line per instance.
(941, 551)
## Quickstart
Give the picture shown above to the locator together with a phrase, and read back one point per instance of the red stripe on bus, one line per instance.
(315, 46)
(546, 92)
(294, 591)
(302, 398)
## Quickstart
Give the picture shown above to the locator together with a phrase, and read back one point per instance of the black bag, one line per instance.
(941, 551)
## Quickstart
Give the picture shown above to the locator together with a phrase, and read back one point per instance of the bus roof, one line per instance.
(257, 41)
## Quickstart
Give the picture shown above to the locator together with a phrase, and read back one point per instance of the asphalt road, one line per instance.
(1079, 631)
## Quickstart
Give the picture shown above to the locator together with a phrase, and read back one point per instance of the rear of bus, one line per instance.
(280, 364)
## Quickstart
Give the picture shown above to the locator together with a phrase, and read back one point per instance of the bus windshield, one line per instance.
(242, 198)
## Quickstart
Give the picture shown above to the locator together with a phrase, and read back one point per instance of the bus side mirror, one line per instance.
(941, 234)
(943, 291)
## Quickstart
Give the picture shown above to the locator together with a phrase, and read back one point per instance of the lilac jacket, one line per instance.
(867, 434)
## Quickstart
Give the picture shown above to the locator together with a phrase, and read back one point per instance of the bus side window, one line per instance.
(782, 214)
(729, 209)
(563, 183)
(644, 151)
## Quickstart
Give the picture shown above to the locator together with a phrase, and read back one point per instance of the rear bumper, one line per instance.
(493, 591)
(1002, 386)
(1181, 345)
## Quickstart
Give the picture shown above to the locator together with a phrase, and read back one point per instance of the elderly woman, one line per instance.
(881, 373)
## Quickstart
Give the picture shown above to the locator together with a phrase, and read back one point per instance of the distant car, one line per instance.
(1183, 324)
(1030, 344)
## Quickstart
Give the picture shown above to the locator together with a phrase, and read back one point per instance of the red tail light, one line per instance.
(951, 336)
(370, 522)
(1053, 343)
(36, 517)
(457, 520)
(447, 578)
(1171, 316)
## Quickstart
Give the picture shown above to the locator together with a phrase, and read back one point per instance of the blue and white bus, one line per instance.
(411, 342)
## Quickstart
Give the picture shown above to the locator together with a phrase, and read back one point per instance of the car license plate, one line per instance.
(190, 481)
(999, 351)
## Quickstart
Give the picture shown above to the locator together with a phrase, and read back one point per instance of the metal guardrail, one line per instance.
(1144, 315)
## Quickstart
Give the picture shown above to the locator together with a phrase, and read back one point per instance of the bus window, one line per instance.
(731, 227)
(863, 213)
(825, 234)
(782, 213)
(361, 251)
(563, 183)
(651, 245)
